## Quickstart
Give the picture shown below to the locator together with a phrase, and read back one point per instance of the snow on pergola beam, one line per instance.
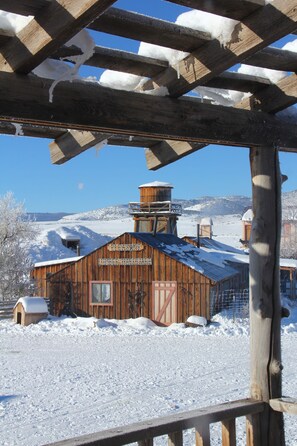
(206, 65)
(271, 99)
(258, 30)
(233, 9)
(52, 26)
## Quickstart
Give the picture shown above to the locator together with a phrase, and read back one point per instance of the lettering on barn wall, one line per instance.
(125, 247)
(114, 262)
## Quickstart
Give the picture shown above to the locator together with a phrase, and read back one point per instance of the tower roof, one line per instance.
(156, 184)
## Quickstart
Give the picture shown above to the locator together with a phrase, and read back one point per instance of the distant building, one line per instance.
(288, 248)
(246, 219)
(155, 213)
(205, 227)
(158, 276)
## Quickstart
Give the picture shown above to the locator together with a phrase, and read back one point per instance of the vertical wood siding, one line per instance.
(193, 289)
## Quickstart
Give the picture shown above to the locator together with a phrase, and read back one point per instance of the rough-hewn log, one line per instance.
(90, 107)
(263, 27)
(52, 26)
(148, 29)
(234, 9)
(265, 305)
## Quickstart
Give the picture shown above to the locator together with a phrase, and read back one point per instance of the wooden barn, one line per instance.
(229, 255)
(141, 274)
(42, 270)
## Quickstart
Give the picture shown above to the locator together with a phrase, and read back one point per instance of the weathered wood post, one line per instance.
(265, 305)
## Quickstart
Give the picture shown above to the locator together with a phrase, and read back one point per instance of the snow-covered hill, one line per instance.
(201, 207)
(108, 213)
(96, 227)
(48, 244)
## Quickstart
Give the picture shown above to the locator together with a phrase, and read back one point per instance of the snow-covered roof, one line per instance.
(67, 234)
(248, 215)
(57, 261)
(209, 264)
(156, 184)
(33, 304)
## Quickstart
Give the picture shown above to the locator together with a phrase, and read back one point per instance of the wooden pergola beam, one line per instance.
(234, 9)
(274, 98)
(59, 149)
(117, 60)
(148, 29)
(24, 7)
(274, 59)
(52, 26)
(127, 62)
(166, 152)
(271, 99)
(88, 107)
(258, 30)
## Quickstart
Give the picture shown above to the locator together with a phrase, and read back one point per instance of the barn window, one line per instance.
(100, 293)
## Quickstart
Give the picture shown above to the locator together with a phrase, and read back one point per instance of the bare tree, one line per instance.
(16, 231)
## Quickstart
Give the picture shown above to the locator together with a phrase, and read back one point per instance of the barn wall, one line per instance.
(40, 274)
(192, 288)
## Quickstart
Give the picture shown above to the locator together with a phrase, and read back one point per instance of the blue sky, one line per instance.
(112, 175)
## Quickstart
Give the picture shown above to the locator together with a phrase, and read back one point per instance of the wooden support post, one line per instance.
(228, 433)
(253, 430)
(175, 438)
(147, 442)
(265, 306)
(203, 435)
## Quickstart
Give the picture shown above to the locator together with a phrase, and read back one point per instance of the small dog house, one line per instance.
(30, 310)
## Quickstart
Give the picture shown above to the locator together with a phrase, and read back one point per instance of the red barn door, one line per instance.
(164, 302)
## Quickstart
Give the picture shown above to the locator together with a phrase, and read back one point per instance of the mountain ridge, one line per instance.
(198, 207)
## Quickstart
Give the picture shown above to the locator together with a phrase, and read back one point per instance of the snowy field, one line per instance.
(94, 233)
(67, 377)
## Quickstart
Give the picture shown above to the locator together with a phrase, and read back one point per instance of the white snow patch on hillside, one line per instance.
(48, 245)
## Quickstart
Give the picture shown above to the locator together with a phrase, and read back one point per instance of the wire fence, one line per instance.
(234, 302)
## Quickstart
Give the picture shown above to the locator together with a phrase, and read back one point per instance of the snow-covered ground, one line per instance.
(67, 377)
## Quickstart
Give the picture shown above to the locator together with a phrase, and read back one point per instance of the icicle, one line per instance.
(18, 129)
(177, 70)
(100, 145)
(87, 45)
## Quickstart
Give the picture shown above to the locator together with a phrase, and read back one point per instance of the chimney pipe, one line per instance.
(198, 235)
